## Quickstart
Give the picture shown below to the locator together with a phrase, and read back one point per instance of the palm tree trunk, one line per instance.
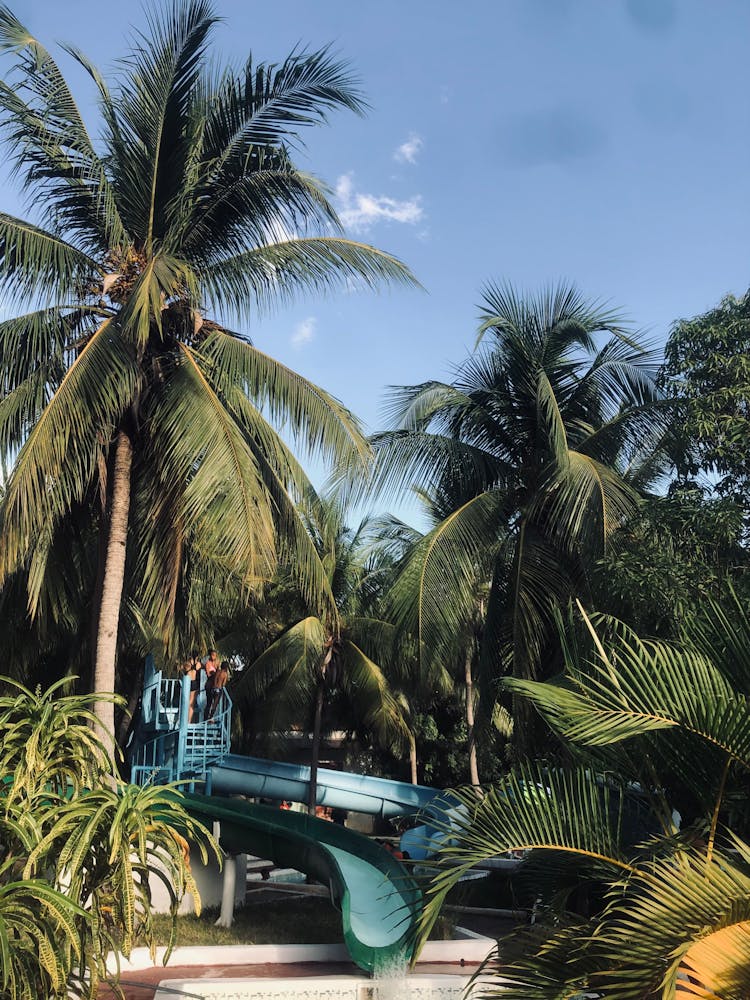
(317, 725)
(413, 758)
(114, 575)
(130, 709)
(469, 684)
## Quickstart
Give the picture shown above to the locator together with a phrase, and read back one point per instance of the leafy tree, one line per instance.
(79, 851)
(647, 727)
(679, 551)
(707, 370)
(530, 442)
(118, 386)
(323, 658)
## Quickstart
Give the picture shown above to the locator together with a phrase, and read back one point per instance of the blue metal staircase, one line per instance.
(167, 746)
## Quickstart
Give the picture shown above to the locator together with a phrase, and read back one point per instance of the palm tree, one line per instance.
(334, 653)
(118, 386)
(415, 586)
(535, 444)
(651, 809)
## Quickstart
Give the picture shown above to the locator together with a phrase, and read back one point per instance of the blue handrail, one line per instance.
(169, 745)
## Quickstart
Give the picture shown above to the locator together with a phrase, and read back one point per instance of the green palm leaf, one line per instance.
(639, 688)
(372, 697)
(64, 443)
(434, 594)
(277, 270)
(651, 924)
(533, 808)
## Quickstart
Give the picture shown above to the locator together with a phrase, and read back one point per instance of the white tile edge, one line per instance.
(470, 947)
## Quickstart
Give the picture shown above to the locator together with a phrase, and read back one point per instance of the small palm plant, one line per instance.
(647, 727)
(79, 852)
(323, 654)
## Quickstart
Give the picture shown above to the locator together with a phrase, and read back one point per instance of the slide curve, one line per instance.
(379, 901)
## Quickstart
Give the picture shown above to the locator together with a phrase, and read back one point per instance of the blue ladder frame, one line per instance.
(167, 746)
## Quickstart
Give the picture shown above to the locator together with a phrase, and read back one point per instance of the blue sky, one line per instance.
(602, 141)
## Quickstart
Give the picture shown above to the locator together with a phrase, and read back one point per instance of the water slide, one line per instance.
(272, 779)
(363, 793)
(379, 901)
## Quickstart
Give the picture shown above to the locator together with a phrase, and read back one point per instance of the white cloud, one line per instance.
(408, 151)
(304, 332)
(360, 212)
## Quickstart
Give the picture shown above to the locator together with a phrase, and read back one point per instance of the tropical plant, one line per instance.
(677, 552)
(539, 444)
(650, 810)
(323, 656)
(118, 389)
(707, 371)
(79, 851)
(411, 599)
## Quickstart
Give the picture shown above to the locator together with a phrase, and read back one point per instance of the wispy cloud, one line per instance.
(304, 332)
(359, 212)
(408, 151)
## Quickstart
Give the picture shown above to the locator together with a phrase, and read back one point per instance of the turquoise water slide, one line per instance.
(273, 779)
(379, 901)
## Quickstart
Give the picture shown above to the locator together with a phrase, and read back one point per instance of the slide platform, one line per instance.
(379, 901)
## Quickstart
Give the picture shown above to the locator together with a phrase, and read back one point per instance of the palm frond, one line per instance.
(663, 911)
(372, 697)
(276, 271)
(225, 499)
(721, 631)
(417, 459)
(154, 102)
(434, 595)
(248, 213)
(266, 105)
(314, 419)
(52, 146)
(533, 808)
(584, 502)
(294, 657)
(38, 266)
(557, 309)
(64, 444)
(637, 688)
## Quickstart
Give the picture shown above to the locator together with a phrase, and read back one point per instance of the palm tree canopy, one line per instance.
(347, 649)
(532, 454)
(186, 205)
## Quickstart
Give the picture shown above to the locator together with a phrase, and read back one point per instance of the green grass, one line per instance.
(282, 921)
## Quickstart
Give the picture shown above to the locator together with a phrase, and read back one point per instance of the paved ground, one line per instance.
(142, 985)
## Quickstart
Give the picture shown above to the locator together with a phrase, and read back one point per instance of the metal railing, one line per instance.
(169, 746)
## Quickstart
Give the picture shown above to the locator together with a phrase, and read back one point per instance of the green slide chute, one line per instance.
(379, 901)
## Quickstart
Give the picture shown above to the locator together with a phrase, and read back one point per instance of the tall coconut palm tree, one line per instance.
(534, 443)
(121, 379)
(332, 653)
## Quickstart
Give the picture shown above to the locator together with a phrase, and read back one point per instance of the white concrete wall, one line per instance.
(208, 878)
